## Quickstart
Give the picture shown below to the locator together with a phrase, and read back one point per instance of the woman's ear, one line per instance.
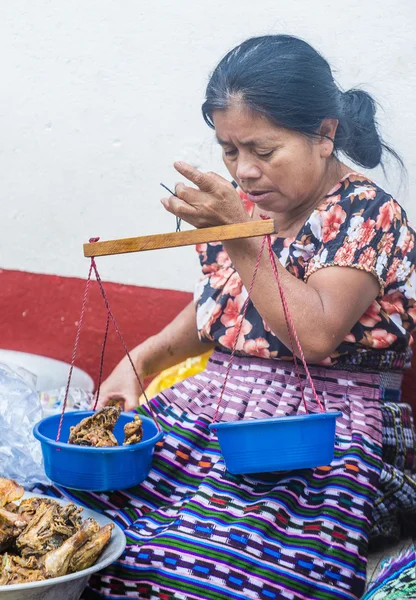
(327, 132)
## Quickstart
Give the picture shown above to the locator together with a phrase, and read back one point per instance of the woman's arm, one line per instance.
(176, 342)
(323, 310)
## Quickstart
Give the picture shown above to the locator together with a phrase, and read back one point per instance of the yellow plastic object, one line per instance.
(181, 371)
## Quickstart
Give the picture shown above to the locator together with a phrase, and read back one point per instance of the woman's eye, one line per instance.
(264, 154)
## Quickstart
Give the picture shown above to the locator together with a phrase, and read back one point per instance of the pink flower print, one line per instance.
(328, 200)
(368, 258)
(228, 339)
(232, 311)
(220, 278)
(386, 243)
(366, 233)
(345, 254)
(385, 216)
(223, 259)
(380, 338)
(257, 347)
(332, 221)
(393, 271)
(393, 303)
(350, 338)
(371, 315)
(234, 285)
(209, 269)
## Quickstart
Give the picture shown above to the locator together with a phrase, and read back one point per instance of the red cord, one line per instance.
(243, 314)
(289, 318)
(100, 375)
(104, 295)
(93, 267)
(290, 327)
(74, 353)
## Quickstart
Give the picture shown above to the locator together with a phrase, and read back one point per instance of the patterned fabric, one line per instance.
(196, 532)
(397, 579)
(395, 504)
(357, 225)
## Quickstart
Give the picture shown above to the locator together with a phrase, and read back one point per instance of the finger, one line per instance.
(189, 194)
(178, 207)
(180, 189)
(131, 403)
(203, 180)
(110, 400)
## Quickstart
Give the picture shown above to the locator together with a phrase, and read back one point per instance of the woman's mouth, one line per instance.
(258, 197)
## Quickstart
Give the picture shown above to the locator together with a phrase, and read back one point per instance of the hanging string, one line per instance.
(178, 220)
(104, 295)
(288, 317)
(289, 331)
(100, 375)
(293, 337)
(93, 268)
(240, 325)
(74, 352)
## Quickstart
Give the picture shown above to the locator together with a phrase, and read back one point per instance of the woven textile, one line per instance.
(197, 532)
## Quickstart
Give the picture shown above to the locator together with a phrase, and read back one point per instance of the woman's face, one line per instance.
(281, 170)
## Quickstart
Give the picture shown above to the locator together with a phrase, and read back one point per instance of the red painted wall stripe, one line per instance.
(39, 314)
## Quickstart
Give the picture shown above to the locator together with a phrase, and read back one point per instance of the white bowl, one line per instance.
(68, 587)
(51, 374)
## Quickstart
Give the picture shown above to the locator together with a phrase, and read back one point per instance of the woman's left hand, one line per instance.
(215, 202)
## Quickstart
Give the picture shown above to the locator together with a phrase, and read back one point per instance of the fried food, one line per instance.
(97, 430)
(44, 539)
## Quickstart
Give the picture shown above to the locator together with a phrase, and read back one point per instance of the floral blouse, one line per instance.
(357, 225)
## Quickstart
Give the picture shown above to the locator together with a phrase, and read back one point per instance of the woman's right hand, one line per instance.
(122, 386)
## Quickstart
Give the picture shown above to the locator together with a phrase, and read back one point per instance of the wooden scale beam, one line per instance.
(181, 238)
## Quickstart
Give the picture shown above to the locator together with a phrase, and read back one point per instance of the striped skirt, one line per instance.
(197, 532)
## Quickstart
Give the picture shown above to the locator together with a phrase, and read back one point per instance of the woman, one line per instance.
(194, 530)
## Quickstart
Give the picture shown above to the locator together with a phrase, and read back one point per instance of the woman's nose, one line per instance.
(246, 169)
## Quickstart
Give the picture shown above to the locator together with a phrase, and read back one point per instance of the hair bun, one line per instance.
(357, 133)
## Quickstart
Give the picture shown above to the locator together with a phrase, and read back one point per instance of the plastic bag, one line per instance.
(52, 400)
(20, 409)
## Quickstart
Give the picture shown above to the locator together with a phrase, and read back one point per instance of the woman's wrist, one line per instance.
(136, 356)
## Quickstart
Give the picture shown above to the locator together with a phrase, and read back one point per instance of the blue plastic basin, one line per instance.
(277, 444)
(95, 469)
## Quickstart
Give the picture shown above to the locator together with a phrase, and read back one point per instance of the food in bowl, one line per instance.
(41, 539)
(97, 430)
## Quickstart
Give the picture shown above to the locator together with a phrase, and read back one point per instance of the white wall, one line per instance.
(99, 97)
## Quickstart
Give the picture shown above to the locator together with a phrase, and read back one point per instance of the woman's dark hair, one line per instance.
(290, 83)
